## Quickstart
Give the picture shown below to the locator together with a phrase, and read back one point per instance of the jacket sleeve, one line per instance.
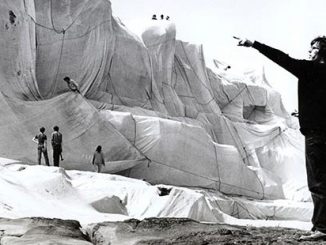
(294, 66)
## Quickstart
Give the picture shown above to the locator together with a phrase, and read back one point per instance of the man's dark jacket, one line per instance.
(311, 87)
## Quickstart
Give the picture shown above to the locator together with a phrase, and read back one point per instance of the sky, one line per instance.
(288, 25)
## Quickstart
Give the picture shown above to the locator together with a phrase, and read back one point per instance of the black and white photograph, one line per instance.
(144, 122)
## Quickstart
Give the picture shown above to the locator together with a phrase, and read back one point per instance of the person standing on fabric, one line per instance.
(56, 141)
(98, 159)
(41, 141)
(311, 76)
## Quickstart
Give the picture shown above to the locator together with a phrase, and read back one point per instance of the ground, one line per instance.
(158, 231)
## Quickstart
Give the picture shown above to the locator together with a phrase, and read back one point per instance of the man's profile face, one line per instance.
(314, 51)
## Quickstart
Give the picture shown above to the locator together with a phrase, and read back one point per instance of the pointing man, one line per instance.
(311, 76)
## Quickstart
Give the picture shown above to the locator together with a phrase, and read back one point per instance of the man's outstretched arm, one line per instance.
(292, 65)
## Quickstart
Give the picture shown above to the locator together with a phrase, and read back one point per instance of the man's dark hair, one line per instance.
(321, 40)
(56, 128)
(67, 79)
(42, 129)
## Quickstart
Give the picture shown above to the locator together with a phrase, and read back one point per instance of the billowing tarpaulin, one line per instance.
(83, 128)
(152, 104)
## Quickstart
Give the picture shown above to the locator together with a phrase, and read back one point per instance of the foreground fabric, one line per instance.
(91, 197)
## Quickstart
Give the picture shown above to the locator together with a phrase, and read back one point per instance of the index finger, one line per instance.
(238, 38)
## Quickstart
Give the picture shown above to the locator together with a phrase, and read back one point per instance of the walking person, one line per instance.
(41, 141)
(56, 141)
(98, 159)
(311, 76)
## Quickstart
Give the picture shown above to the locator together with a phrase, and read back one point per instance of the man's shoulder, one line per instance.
(313, 64)
(56, 133)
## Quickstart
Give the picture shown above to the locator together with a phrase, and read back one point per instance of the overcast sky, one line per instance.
(289, 25)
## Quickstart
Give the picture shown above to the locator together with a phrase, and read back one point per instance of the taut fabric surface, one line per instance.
(159, 113)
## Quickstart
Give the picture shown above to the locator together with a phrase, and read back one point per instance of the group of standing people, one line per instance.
(56, 142)
(162, 17)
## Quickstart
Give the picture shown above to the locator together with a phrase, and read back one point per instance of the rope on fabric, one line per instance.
(245, 88)
(63, 32)
(205, 177)
(117, 131)
(67, 28)
(268, 142)
(54, 87)
(192, 68)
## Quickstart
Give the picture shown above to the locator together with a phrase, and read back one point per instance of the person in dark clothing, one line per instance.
(98, 159)
(73, 86)
(311, 76)
(154, 17)
(56, 141)
(41, 141)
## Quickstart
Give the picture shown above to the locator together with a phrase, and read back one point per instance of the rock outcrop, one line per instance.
(41, 231)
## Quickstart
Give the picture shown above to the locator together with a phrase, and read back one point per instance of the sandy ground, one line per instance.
(185, 231)
(150, 231)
